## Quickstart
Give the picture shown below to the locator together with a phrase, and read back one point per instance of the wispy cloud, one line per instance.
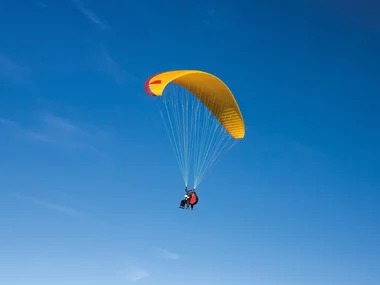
(41, 5)
(111, 66)
(216, 21)
(298, 156)
(167, 254)
(90, 15)
(59, 131)
(51, 206)
(135, 274)
(8, 123)
(62, 194)
(62, 131)
(306, 150)
(63, 124)
(358, 12)
(11, 70)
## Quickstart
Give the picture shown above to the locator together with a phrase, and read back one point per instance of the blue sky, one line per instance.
(84, 154)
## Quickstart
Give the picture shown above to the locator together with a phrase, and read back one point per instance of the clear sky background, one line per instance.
(84, 155)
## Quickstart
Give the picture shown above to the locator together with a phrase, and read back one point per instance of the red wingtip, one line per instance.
(146, 86)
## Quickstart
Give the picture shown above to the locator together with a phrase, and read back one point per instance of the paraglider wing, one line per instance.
(210, 90)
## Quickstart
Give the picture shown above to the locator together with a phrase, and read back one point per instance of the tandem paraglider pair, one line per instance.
(191, 199)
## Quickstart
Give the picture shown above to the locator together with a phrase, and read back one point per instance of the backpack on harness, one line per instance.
(193, 199)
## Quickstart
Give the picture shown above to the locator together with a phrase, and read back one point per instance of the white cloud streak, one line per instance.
(90, 15)
(60, 132)
(215, 21)
(111, 66)
(51, 206)
(10, 70)
(63, 124)
(165, 254)
(8, 123)
(135, 274)
(41, 5)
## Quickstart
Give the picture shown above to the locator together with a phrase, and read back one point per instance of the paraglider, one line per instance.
(191, 199)
(202, 118)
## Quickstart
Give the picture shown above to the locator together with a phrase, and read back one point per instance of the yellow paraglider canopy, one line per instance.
(210, 90)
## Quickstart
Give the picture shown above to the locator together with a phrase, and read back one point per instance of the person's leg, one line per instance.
(182, 204)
